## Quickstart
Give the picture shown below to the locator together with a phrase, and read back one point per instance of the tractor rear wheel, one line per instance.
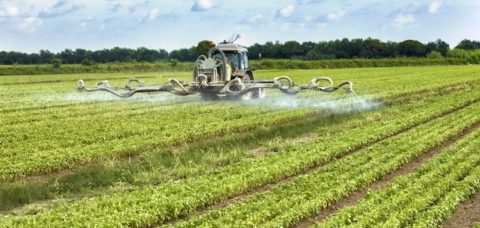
(258, 93)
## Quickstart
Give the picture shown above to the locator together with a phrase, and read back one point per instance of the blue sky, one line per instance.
(31, 25)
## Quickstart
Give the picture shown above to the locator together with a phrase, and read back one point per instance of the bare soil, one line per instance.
(406, 169)
(356, 195)
(466, 215)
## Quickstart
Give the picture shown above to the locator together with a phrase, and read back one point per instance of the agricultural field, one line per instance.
(402, 151)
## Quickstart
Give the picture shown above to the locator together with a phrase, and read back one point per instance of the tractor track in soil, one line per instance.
(382, 182)
(466, 214)
(287, 179)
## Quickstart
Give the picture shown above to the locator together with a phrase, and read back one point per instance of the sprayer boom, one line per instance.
(224, 72)
(233, 88)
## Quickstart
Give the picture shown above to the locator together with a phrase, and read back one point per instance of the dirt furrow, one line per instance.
(466, 215)
(406, 169)
(286, 180)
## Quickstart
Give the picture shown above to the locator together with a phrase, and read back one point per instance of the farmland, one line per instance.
(403, 152)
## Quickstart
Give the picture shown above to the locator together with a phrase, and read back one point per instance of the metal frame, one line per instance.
(232, 88)
(211, 80)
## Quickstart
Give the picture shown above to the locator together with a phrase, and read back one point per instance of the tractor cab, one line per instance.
(238, 56)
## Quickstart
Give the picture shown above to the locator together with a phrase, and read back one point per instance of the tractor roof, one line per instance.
(232, 47)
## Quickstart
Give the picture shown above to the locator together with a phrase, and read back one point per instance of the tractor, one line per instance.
(223, 73)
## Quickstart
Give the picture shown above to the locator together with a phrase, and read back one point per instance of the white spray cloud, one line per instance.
(164, 98)
(330, 104)
(345, 104)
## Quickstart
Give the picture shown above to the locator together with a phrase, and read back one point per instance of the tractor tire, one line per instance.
(258, 93)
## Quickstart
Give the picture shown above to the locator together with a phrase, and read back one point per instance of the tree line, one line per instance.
(335, 49)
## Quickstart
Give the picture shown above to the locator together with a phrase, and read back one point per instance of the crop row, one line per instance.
(423, 198)
(48, 146)
(80, 112)
(159, 204)
(97, 109)
(394, 81)
(381, 82)
(31, 147)
(307, 195)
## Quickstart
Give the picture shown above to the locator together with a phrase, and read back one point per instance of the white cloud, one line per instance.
(9, 11)
(286, 11)
(434, 6)
(30, 24)
(402, 20)
(153, 14)
(60, 8)
(202, 5)
(255, 18)
(12, 10)
(333, 16)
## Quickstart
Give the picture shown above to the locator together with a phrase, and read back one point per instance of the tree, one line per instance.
(412, 48)
(203, 47)
(56, 62)
(184, 54)
(434, 55)
(290, 49)
(372, 48)
(439, 45)
(468, 44)
(88, 62)
(307, 46)
(45, 56)
(67, 56)
(255, 51)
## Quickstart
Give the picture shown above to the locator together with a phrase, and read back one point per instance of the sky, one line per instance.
(32, 25)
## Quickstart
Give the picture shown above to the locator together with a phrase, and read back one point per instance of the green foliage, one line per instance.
(389, 137)
(88, 62)
(173, 62)
(412, 48)
(468, 45)
(439, 45)
(352, 63)
(56, 62)
(334, 49)
(427, 196)
(203, 47)
(470, 56)
(304, 195)
(434, 55)
(264, 64)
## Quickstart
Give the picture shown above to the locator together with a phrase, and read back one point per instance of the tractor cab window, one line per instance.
(234, 58)
(243, 60)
